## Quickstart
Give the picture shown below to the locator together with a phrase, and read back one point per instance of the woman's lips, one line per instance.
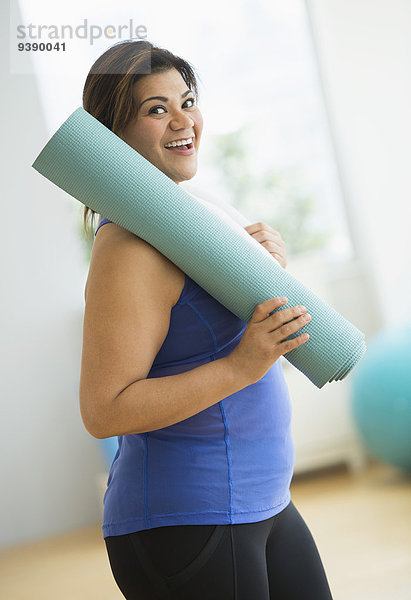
(182, 150)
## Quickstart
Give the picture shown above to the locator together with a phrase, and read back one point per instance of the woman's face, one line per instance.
(173, 117)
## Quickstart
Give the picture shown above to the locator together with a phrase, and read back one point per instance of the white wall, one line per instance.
(364, 53)
(48, 461)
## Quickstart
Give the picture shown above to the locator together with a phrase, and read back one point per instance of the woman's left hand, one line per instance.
(270, 239)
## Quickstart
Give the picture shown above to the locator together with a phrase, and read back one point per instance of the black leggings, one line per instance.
(274, 559)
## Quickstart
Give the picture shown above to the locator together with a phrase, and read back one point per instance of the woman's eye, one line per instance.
(155, 108)
(162, 107)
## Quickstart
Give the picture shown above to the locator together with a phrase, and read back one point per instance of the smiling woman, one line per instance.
(122, 91)
(167, 134)
(196, 396)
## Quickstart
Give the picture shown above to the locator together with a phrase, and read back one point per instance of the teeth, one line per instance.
(179, 143)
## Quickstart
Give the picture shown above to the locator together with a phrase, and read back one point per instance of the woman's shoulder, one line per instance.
(118, 246)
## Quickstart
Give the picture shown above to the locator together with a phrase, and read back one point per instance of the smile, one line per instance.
(184, 150)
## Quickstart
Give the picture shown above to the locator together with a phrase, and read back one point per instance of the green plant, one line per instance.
(280, 198)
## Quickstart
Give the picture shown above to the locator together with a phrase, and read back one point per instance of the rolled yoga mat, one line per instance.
(95, 166)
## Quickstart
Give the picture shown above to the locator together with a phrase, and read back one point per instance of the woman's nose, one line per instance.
(181, 120)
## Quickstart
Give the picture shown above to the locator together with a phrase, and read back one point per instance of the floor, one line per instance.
(361, 524)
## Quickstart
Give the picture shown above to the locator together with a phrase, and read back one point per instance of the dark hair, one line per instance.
(108, 90)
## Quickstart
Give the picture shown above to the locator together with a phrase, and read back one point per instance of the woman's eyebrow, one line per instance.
(162, 98)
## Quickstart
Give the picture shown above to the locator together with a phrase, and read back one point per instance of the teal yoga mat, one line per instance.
(95, 166)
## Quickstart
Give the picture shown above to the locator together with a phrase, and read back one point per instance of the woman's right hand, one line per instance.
(262, 342)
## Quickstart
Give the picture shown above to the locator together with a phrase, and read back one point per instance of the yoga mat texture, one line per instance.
(95, 166)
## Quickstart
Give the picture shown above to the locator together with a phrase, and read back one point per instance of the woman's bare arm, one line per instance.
(130, 292)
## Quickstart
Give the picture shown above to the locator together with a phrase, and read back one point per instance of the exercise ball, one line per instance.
(380, 396)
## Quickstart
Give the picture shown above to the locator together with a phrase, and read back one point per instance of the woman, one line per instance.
(198, 502)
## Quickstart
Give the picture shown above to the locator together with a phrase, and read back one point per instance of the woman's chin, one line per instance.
(183, 175)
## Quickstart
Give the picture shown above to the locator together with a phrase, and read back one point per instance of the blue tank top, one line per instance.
(231, 463)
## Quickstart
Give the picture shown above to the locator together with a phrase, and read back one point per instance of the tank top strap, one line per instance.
(102, 222)
(190, 289)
